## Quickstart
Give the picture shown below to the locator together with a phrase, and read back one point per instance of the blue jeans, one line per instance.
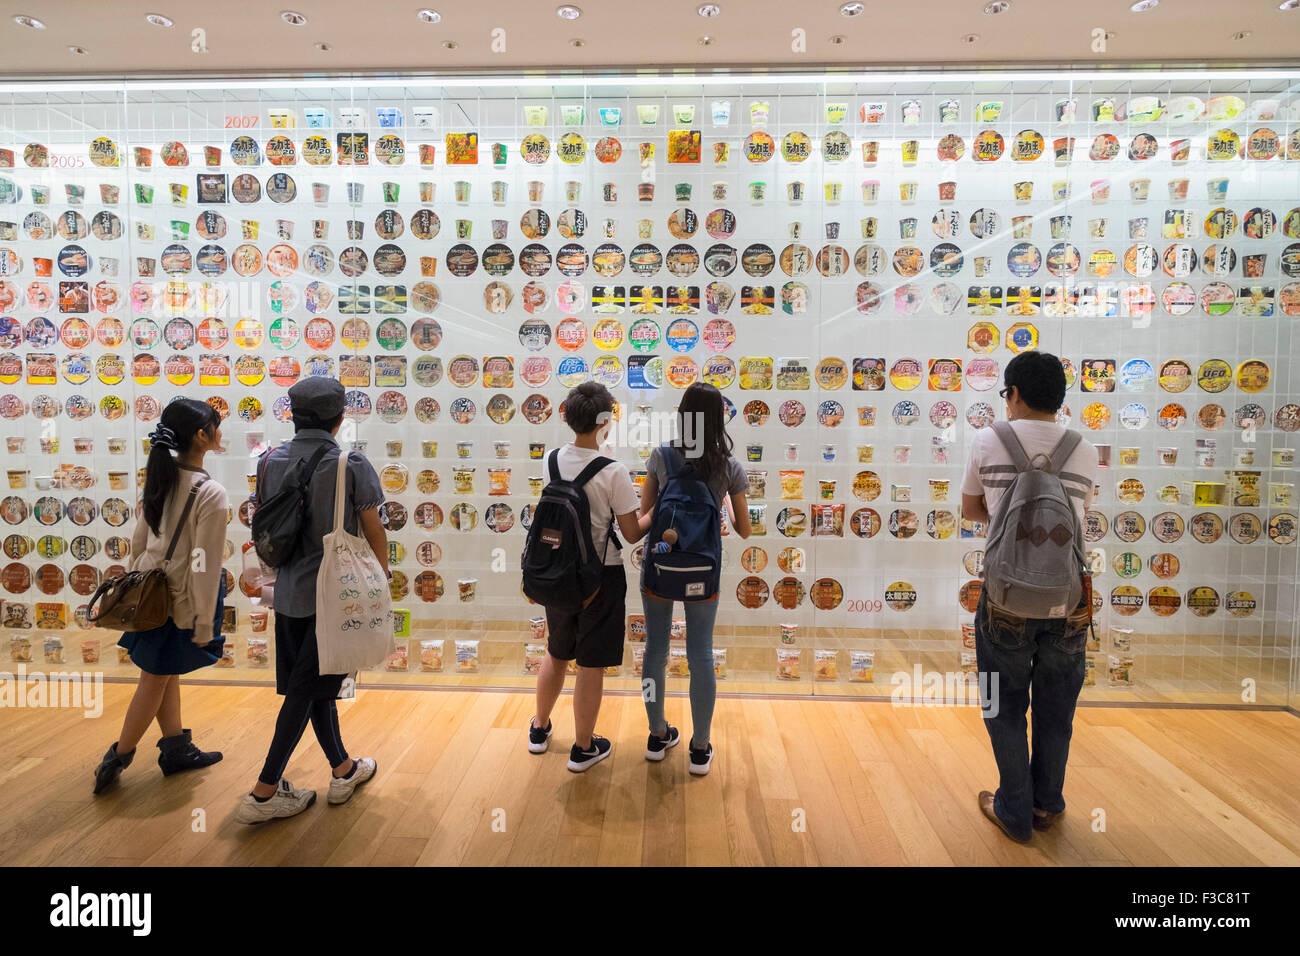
(700, 616)
(1045, 656)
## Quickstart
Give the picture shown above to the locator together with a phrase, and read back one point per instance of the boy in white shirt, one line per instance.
(593, 636)
(1022, 654)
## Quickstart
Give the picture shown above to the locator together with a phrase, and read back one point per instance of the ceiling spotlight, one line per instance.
(158, 20)
(705, 41)
(854, 9)
(293, 18)
(568, 12)
(1142, 6)
(25, 21)
(971, 38)
(324, 47)
(997, 6)
(839, 39)
(577, 42)
(1241, 35)
(78, 50)
(450, 45)
(1288, 4)
(430, 16)
(708, 9)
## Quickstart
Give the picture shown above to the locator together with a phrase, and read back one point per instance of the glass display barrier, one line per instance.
(852, 260)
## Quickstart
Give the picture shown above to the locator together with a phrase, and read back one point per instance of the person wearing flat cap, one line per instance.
(317, 405)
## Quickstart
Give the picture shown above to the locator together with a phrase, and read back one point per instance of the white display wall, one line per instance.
(130, 276)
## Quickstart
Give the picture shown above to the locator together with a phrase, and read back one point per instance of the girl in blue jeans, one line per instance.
(704, 443)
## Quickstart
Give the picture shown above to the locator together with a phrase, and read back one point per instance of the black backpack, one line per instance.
(279, 521)
(561, 568)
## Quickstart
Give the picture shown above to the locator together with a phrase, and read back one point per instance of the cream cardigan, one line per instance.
(194, 574)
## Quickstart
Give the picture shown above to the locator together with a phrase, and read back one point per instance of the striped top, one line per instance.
(989, 469)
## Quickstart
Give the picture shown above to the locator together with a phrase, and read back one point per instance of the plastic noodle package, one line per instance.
(467, 657)
(862, 666)
(431, 656)
(787, 663)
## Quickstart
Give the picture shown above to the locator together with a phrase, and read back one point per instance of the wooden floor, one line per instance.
(873, 784)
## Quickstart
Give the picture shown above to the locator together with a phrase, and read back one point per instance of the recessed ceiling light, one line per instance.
(1241, 35)
(1288, 4)
(971, 38)
(854, 9)
(158, 20)
(324, 47)
(293, 18)
(1142, 6)
(78, 50)
(577, 41)
(997, 6)
(839, 39)
(25, 21)
(708, 9)
(450, 44)
(568, 12)
(430, 16)
(705, 41)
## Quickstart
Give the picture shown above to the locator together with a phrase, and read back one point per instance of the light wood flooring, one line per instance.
(870, 783)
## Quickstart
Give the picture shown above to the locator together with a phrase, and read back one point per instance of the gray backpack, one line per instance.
(1034, 563)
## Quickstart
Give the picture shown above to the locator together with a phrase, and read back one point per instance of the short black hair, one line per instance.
(301, 421)
(1039, 380)
(587, 407)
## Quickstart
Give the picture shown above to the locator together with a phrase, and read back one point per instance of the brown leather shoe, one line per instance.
(986, 807)
(1044, 821)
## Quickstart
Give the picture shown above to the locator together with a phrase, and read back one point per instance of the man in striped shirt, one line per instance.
(1019, 655)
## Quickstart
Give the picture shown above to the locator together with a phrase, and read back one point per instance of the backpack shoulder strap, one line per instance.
(1063, 450)
(672, 459)
(1011, 442)
(185, 513)
(305, 476)
(594, 467)
(553, 465)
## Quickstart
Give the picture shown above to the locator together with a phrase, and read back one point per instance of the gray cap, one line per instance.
(318, 397)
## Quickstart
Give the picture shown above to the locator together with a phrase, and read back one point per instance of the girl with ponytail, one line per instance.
(181, 504)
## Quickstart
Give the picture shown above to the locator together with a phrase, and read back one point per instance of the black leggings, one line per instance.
(295, 712)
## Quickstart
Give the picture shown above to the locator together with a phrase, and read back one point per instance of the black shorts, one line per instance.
(594, 635)
(297, 663)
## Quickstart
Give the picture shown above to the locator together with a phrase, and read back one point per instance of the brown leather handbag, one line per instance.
(139, 600)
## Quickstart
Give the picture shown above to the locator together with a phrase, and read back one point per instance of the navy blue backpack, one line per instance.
(691, 567)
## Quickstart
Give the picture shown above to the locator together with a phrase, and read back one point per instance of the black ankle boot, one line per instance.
(111, 767)
(179, 753)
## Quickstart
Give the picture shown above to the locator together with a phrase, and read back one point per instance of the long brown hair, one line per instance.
(702, 430)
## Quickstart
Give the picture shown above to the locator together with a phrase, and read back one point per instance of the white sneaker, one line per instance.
(342, 788)
(285, 802)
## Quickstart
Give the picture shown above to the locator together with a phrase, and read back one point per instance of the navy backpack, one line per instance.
(691, 566)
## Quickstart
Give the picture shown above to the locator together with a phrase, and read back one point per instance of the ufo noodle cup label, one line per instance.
(1214, 375)
(906, 374)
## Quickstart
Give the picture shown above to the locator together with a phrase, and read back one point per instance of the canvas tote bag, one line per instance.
(354, 628)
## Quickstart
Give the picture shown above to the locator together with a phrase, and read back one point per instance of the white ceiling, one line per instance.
(386, 36)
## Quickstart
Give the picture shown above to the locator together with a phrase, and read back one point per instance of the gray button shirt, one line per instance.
(295, 583)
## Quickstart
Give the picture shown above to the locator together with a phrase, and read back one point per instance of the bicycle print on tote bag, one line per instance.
(354, 626)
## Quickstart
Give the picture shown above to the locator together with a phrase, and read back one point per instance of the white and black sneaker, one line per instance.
(580, 760)
(285, 802)
(342, 788)
(538, 739)
(656, 748)
(701, 760)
